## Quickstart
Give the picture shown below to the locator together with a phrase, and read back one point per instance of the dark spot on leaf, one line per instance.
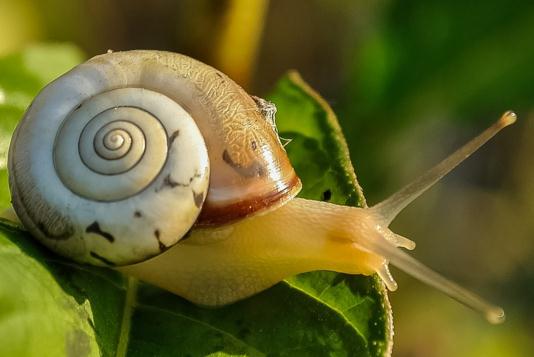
(102, 259)
(138, 214)
(156, 233)
(95, 228)
(244, 332)
(327, 195)
(338, 279)
(254, 145)
(219, 75)
(199, 198)
(78, 106)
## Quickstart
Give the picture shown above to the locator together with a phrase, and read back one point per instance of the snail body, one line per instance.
(164, 168)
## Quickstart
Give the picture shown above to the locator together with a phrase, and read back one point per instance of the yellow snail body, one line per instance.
(165, 169)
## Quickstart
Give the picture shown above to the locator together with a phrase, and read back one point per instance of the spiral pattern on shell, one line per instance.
(110, 177)
(120, 140)
(117, 159)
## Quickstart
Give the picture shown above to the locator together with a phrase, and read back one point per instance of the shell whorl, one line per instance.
(123, 140)
(108, 177)
(187, 145)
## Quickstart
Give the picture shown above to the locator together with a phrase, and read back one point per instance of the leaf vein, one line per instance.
(358, 304)
(335, 309)
(252, 350)
(126, 322)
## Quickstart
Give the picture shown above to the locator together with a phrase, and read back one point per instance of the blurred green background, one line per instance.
(410, 81)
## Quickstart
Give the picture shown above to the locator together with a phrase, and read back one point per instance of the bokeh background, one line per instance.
(410, 81)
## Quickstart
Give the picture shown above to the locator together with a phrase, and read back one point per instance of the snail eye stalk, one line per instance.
(408, 264)
(385, 211)
(390, 207)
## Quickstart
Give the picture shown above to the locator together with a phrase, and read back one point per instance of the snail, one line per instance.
(162, 167)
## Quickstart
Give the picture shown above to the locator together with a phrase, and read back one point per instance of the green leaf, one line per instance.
(22, 75)
(319, 153)
(52, 307)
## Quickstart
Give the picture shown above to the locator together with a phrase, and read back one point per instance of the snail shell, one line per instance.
(117, 159)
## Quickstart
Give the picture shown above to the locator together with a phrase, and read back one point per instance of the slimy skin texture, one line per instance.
(218, 266)
(222, 265)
